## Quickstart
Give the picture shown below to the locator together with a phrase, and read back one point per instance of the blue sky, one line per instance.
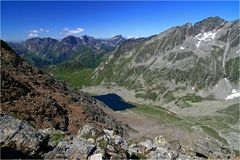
(22, 20)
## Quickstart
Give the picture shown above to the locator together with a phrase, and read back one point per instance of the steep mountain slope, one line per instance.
(188, 59)
(29, 94)
(46, 51)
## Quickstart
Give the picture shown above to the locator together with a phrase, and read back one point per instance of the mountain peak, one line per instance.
(70, 36)
(71, 40)
(216, 18)
(187, 25)
(209, 24)
(118, 36)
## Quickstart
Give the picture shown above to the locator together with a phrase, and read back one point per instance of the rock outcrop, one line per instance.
(20, 140)
(91, 143)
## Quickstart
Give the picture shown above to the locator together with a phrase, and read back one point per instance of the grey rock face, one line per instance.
(65, 149)
(209, 148)
(149, 145)
(20, 136)
(81, 148)
(191, 57)
(222, 89)
(59, 152)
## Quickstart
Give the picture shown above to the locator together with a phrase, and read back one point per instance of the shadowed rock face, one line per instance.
(32, 95)
(19, 139)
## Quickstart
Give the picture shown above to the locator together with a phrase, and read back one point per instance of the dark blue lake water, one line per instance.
(114, 101)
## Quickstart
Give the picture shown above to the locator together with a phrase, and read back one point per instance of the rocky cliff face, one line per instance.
(34, 96)
(189, 58)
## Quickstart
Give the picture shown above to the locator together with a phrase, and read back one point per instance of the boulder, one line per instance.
(86, 129)
(149, 145)
(134, 148)
(81, 148)
(160, 141)
(109, 132)
(59, 152)
(211, 148)
(20, 137)
(96, 157)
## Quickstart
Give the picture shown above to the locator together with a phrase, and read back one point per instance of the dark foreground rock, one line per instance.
(20, 140)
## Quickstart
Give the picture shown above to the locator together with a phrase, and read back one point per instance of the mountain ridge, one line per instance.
(178, 55)
(46, 51)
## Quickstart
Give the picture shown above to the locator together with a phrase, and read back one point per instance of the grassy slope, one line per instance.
(74, 77)
(162, 114)
(210, 125)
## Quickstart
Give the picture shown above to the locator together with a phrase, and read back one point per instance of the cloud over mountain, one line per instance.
(68, 31)
(36, 32)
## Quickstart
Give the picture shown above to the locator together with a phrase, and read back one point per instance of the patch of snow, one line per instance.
(29, 47)
(238, 52)
(115, 37)
(206, 36)
(198, 43)
(132, 37)
(234, 95)
(234, 91)
(182, 48)
(226, 79)
(193, 88)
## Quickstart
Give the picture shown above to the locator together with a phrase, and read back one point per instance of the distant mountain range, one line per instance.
(201, 58)
(46, 51)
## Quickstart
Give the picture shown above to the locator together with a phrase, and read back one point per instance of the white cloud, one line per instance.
(67, 31)
(31, 34)
(36, 32)
(130, 37)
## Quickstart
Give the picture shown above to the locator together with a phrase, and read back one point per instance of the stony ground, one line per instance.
(198, 121)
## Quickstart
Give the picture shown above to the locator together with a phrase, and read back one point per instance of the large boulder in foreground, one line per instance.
(19, 139)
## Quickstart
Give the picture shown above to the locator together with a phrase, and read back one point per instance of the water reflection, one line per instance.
(114, 101)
